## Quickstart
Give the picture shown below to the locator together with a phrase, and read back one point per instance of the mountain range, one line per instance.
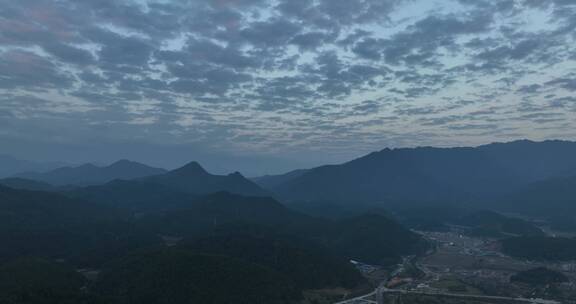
(90, 174)
(510, 176)
(192, 178)
(152, 233)
(173, 188)
(127, 182)
(430, 173)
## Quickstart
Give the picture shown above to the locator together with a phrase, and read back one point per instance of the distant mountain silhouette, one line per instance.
(422, 173)
(272, 181)
(432, 173)
(89, 174)
(10, 165)
(535, 161)
(26, 184)
(192, 178)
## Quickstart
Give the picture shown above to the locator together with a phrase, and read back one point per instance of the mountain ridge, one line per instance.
(437, 173)
(193, 178)
(90, 174)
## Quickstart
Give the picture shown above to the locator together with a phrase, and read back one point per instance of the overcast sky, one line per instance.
(265, 86)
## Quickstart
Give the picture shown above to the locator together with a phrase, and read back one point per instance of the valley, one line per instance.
(128, 232)
(464, 269)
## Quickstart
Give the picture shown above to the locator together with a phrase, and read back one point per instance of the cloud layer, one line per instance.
(287, 77)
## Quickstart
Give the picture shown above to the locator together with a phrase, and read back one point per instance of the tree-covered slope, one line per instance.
(551, 197)
(37, 281)
(134, 195)
(307, 265)
(497, 224)
(539, 276)
(50, 225)
(541, 248)
(179, 277)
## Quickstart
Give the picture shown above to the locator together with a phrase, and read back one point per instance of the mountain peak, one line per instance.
(123, 163)
(236, 174)
(191, 168)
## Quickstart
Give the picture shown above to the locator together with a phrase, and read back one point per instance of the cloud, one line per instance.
(116, 49)
(568, 83)
(69, 53)
(311, 40)
(25, 70)
(270, 33)
(259, 76)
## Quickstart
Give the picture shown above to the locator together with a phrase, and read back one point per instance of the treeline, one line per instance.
(478, 223)
(539, 276)
(541, 248)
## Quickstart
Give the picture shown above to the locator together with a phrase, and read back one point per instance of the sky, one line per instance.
(265, 86)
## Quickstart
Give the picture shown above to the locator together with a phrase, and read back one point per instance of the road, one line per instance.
(365, 299)
(463, 296)
(371, 297)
